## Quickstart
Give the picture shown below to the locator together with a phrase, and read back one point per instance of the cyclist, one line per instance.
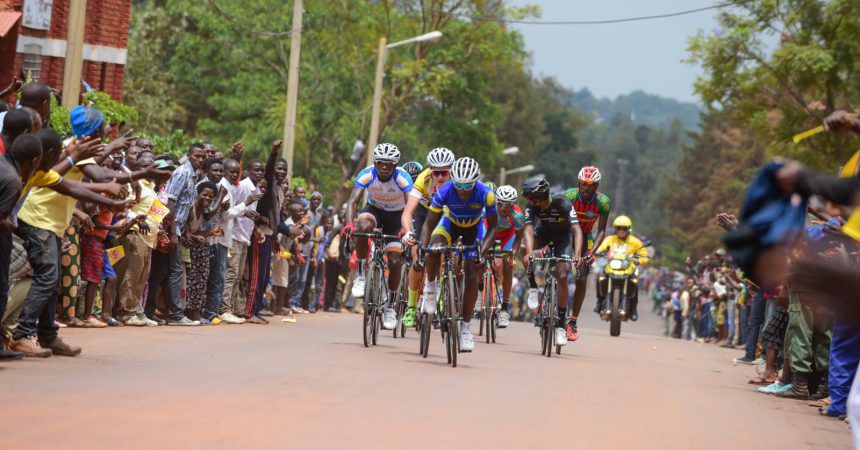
(413, 168)
(550, 219)
(438, 172)
(623, 242)
(464, 199)
(510, 233)
(387, 187)
(592, 207)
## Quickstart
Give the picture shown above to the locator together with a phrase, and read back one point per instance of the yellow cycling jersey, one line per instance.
(630, 246)
(424, 188)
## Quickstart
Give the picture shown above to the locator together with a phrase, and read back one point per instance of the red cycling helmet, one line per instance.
(589, 174)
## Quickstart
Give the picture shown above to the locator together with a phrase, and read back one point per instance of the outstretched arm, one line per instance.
(80, 191)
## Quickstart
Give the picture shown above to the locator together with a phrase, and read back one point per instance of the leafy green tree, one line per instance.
(781, 67)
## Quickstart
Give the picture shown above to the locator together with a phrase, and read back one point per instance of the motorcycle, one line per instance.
(620, 276)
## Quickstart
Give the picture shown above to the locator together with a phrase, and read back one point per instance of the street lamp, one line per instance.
(504, 173)
(381, 55)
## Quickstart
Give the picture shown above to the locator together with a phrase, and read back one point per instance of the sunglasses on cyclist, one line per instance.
(440, 173)
(587, 183)
(463, 186)
(622, 229)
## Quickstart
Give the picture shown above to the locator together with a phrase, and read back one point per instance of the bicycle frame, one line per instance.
(490, 296)
(547, 310)
(449, 309)
(376, 290)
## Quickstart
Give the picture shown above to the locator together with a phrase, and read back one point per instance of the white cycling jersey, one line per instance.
(388, 195)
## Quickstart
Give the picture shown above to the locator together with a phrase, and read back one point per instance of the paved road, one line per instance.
(311, 385)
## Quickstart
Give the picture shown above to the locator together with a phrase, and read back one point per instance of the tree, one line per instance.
(712, 177)
(229, 61)
(781, 67)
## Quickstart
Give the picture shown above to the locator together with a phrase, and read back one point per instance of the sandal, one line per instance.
(74, 322)
(760, 381)
(824, 402)
(95, 323)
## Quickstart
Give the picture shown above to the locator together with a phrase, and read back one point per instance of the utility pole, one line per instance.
(74, 62)
(293, 87)
(622, 174)
(377, 100)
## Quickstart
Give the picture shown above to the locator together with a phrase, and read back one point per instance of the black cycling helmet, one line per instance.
(413, 168)
(536, 188)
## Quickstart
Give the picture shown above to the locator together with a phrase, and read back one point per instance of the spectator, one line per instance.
(181, 192)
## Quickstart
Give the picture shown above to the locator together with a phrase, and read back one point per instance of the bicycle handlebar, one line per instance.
(376, 235)
(446, 248)
(562, 258)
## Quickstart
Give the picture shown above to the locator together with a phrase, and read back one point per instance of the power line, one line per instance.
(236, 21)
(594, 22)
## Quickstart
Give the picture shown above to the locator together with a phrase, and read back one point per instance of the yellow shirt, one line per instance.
(50, 210)
(41, 179)
(630, 246)
(147, 197)
(424, 188)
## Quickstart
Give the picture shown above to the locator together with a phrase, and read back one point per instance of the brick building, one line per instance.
(35, 41)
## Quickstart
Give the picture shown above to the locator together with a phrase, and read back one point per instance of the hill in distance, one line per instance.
(643, 108)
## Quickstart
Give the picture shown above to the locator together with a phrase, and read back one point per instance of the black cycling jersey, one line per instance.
(557, 218)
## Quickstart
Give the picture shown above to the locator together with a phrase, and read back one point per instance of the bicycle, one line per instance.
(376, 290)
(547, 318)
(450, 306)
(490, 303)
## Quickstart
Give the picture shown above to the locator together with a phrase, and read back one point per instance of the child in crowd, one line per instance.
(199, 227)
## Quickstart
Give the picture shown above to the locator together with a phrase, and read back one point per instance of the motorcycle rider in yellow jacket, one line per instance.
(624, 242)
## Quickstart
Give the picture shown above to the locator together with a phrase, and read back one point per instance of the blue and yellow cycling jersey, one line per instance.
(385, 195)
(467, 213)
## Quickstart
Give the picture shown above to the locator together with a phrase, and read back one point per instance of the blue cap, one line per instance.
(85, 120)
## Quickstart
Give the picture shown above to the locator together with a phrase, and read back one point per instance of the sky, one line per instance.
(616, 59)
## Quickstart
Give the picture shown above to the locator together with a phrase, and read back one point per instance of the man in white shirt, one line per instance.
(223, 243)
(233, 301)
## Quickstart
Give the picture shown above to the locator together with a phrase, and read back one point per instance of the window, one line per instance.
(32, 61)
(37, 14)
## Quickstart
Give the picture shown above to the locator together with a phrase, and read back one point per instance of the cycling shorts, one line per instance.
(560, 241)
(451, 232)
(506, 239)
(418, 218)
(389, 221)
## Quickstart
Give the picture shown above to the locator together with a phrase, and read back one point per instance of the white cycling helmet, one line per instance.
(440, 157)
(386, 152)
(589, 174)
(507, 194)
(465, 170)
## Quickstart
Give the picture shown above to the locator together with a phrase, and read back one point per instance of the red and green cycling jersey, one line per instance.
(588, 212)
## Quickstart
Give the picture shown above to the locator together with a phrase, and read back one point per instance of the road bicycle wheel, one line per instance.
(367, 321)
(555, 322)
(400, 302)
(380, 300)
(485, 307)
(367, 334)
(424, 323)
(493, 325)
(551, 298)
(452, 306)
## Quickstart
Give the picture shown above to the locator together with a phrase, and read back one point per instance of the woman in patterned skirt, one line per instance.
(202, 223)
